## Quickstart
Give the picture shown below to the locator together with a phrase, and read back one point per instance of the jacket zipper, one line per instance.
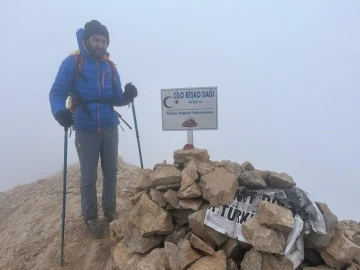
(103, 79)
(97, 64)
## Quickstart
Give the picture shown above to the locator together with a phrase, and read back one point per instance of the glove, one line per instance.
(64, 117)
(130, 92)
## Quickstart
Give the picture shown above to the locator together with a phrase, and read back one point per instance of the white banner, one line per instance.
(228, 219)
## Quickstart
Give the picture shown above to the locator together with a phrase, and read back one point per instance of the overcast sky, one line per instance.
(287, 74)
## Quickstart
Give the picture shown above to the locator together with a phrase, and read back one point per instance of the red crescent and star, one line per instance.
(166, 100)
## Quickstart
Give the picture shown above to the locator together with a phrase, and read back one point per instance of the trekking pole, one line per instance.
(137, 134)
(64, 195)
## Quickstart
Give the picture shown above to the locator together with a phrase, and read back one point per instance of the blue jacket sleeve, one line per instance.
(119, 98)
(62, 85)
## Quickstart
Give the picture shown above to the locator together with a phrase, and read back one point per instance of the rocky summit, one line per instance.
(192, 213)
(226, 215)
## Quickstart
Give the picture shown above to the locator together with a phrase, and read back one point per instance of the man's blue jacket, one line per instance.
(95, 83)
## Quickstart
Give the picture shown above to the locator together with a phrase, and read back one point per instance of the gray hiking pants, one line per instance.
(90, 146)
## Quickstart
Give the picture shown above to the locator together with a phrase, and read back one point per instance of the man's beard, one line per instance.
(97, 53)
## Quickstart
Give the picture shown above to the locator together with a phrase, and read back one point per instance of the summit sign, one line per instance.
(189, 108)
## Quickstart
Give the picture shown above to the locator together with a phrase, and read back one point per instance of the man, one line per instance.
(93, 119)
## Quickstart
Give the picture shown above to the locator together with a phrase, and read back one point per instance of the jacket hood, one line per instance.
(80, 41)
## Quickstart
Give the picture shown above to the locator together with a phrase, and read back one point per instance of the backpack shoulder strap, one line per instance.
(113, 68)
(78, 64)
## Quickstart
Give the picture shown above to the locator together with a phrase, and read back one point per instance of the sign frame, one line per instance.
(189, 129)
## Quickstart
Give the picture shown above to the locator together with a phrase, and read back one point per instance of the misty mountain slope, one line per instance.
(30, 223)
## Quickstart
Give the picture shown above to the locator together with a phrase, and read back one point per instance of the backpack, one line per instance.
(74, 98)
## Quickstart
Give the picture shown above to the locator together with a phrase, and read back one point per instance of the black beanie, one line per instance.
(94, 27)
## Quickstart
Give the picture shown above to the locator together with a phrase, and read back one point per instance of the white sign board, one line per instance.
(189, 108)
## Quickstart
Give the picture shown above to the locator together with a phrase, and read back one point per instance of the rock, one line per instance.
(265, 176)
(144, 181)
(138, 243)
(209, 235)
(149, 218)
(134, 199)
(351, 230)
(233, 249)
(190, 192)
(321, 241)
(180, 216)
(155, 260)
(164, 164)
(249, 227)
(235, 168)
(329, 260)
(219, 186)
(214, 163)
(165, 176)
(353, 236)
(275, 216)
(354, 266)
(247, 166)
(224, 163)
(252, 260)
(199, 244)
(270, 262)
(262, 237)
(350, 224)
(158, 197)
(251, 179)
(210, 262)
(125, 260)
(171, 198)
(181, 256)
(190, 204)
(281, 180)
(165, 188)
(341, 248)
(230, 265)
(177, 235)
(116, 229)
(180, 156)
(204, 167)
(188, 175)
(172, 253)
(205, 205)
(188, 235)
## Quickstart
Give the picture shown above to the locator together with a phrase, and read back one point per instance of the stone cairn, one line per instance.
(164, 228)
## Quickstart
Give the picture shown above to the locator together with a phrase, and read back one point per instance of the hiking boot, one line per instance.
(111, 215)
(93, 228)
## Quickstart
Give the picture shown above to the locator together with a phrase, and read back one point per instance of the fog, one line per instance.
(287, 74)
